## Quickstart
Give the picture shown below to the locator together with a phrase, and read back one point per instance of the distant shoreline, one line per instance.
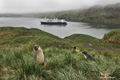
(72, 20)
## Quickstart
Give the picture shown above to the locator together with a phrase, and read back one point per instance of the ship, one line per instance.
(54, 22)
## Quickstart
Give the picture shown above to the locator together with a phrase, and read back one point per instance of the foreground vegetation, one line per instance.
(16, 55)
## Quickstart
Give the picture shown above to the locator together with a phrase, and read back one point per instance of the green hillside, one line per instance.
(95, 14)
(113, 35)
(16, 56)
(10, 36)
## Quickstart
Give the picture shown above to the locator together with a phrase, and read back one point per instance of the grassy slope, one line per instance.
(16, 56)
(81, 40)
(113, 35)
(21, 36)
(99, 48)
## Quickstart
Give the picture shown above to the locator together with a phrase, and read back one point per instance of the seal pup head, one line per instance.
(36, 47)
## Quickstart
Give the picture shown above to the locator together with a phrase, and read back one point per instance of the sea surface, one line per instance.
(95, 30)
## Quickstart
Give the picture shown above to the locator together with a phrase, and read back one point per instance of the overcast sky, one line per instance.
(26, 6)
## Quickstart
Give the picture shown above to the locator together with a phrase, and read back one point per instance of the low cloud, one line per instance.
(26, 6)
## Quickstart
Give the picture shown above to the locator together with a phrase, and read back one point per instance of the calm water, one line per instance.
(95, 30)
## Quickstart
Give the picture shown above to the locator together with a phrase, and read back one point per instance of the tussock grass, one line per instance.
(16, 62)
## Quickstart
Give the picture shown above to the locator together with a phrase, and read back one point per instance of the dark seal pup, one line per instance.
(88, 56)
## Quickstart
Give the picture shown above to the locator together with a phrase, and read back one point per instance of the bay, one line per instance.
(95, 30)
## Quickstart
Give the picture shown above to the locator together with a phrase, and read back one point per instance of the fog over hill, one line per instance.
(38, 6)
(95, 14)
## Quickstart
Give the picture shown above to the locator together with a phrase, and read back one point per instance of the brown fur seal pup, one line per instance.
(38, 54)
(74, 49)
